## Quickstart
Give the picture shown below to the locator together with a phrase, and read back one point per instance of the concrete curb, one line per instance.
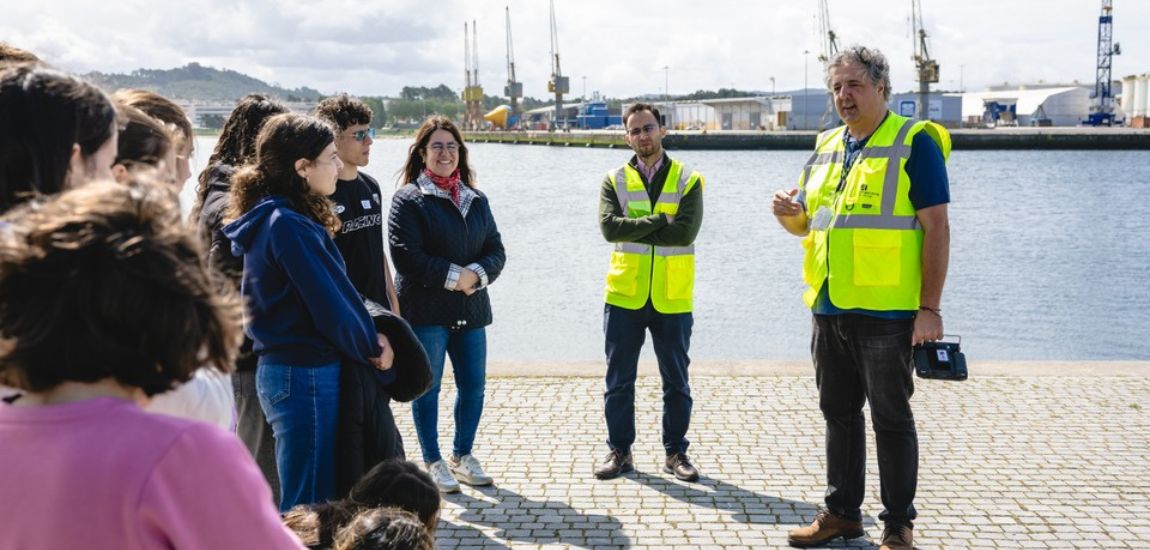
(596, 369)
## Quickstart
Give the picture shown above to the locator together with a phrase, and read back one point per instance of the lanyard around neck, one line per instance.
(848, 161)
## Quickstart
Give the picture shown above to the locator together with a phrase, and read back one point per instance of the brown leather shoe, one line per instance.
(680, 465)
(897, 537)
(824, 529)
(617, 462)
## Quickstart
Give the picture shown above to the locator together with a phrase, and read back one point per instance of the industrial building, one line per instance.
(943, 108)
(744, 113)
(1027, 106)
(597, 115)
(202, 112)
(685, 115)
(811, 109)
(542, 117)
(752, 113)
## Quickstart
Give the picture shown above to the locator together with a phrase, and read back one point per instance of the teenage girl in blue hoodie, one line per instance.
(304, 315)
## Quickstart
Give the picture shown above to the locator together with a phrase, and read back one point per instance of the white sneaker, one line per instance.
(468, 470)
(442, 477)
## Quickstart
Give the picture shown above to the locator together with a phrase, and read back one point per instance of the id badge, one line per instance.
(822, 219)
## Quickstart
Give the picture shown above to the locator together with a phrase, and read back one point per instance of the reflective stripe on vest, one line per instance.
(640, 248)
(641, 197)
(871, 250)
(894, 154)
(664, 273)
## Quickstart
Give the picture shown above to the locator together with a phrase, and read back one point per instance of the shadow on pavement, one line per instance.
(450, 535)
(536, 521)
(745, 506)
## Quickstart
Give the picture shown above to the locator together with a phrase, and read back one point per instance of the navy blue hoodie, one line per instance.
(302, 310)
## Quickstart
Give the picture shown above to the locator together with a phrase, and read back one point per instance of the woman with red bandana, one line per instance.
(447, 250)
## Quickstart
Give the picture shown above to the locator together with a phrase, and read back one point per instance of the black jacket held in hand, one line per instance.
(427, 234)
(366, 433)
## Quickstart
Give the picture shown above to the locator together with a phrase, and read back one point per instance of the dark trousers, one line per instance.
(860, 359)
(253, 428)
(625, 332)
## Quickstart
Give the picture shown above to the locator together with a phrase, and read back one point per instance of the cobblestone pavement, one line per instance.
(1006, 462)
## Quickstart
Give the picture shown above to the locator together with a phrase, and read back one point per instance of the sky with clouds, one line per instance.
(620, 48)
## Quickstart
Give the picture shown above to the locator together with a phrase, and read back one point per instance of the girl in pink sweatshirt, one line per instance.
(105, 301)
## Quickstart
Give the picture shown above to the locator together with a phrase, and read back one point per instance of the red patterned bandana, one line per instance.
(449, 184)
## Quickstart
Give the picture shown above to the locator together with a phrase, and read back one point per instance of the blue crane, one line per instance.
(1102, 111)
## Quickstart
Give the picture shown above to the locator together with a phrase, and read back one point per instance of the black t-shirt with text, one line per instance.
(360, 239)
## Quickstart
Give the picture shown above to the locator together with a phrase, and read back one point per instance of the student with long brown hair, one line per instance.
(235, 148)
(304, 315)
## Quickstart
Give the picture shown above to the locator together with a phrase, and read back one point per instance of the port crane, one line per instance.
(830, 44)
(828, 48)
(926, 68)
(473, 91)
(513, 89)
(558, 84)
(1102, 111)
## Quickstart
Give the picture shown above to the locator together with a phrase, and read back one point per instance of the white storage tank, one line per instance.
(1128, 97)
(1144, 94)
(1140, 92)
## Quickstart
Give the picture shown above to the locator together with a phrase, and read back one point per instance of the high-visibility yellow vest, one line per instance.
(665, 273)
(870, 249)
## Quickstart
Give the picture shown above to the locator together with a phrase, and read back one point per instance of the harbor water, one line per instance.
(1050, 252)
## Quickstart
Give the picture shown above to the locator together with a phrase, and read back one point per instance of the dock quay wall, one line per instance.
(962, 139)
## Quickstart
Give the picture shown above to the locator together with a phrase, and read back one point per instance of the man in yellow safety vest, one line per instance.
(872, 210)
(651, 208)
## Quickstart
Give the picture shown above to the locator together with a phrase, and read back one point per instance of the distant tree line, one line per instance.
(416, 103)
(722, 93)
(197, 82)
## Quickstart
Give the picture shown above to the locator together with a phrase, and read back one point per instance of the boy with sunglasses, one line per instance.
(367, 433)
(651, 208)
(357, 200)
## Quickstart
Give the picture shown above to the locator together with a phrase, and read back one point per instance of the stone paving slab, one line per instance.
(1007, 462)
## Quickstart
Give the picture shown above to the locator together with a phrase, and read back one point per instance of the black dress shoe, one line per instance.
(679, 464)
(617, 462)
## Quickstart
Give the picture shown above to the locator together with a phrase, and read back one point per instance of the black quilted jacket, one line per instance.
(427, 234)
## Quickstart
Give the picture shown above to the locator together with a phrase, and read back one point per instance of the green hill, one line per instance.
(196, 82)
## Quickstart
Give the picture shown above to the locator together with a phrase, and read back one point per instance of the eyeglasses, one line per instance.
(646, 129)
(441, 147)
(363, 134)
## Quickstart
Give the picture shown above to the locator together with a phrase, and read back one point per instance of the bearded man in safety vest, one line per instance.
(651, 208)
(872, 209)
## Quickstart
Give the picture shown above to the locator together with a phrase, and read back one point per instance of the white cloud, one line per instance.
(376, 47)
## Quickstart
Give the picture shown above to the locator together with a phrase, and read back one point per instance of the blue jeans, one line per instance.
(861, 359)
(468, 351)
(625, 331)
(302, 404)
